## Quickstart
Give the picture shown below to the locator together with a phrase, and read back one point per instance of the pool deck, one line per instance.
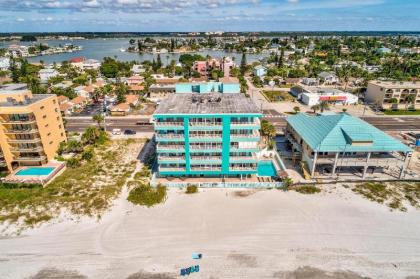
(35, 179)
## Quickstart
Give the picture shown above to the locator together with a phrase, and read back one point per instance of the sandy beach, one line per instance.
(261, 234)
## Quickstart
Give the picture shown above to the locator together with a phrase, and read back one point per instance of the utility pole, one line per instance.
(104, 113)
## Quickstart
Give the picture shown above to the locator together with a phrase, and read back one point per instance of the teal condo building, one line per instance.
(207, 135)
(224, 85)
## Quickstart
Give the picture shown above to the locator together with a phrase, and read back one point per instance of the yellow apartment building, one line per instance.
(385, 93)
(31, 127)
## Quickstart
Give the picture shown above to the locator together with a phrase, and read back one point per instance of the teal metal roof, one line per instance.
(342, 132)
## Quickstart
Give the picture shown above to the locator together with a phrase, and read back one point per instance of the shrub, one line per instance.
(87, 155)
(191, 189)
(73, 162)
(287, 182)
(144, 194)
(307, 189)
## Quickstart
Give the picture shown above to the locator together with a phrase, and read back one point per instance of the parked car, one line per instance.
(116, 131)
(129, 132)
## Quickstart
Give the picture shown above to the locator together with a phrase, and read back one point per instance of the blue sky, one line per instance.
(208, 15)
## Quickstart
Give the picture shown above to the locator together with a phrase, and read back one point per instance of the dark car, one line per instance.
(129, 132)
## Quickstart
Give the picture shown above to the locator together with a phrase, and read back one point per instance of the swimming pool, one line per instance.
(266, 168)
(36, 171)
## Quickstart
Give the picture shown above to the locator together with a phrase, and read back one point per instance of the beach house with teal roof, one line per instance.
(345, 143)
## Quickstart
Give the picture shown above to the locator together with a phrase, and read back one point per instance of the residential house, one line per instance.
(4, 63)
(344, 144)
(310, 81)
(126, 107)
(260, 71)
(138, 69)
(328, 78)
(135, 80)
(46, 74)
(79, 102)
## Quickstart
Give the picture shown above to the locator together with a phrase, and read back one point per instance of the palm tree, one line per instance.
(99, 118)
(323, 106)
(90, 135)
(410, 99)
(268, 130)
(296, 109)
(315, 108)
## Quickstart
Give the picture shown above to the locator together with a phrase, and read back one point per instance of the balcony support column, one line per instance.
(404, 164)
(314, 164)
(366, 165)
(335, 163)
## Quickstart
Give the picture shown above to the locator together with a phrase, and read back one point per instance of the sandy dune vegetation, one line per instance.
(260, 234)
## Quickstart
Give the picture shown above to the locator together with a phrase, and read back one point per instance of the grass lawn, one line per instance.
(88, 189)
(394, 195)
(276, 96)
(402, 112)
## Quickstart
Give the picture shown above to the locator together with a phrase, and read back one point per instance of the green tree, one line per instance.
(323, 106)
(91, 135)
(315, 108)
(98, 118)
(296, 109)
(14, 70)
(268, 130)
(410, 99)
(281, 59)
(121, 90)
(243, 66)
(158, 62)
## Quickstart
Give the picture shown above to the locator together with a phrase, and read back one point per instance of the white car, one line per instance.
(116, 131)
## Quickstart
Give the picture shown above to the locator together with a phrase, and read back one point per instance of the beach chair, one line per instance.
(197, 256)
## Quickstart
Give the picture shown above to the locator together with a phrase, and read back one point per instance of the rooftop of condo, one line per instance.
(211, 103)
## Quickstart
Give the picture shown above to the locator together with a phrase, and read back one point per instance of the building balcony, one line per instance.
(170, 137)
(206, 169)
(170, 148)
(171, 159)
(21, 131)
(240, 124)
(200, 148)
(169, 125)
(18, 149)
(245, 137)
(172, 169)
(203, 126)
(360, 161)
(206, 138)
(244, 148)
(243, 168)
(239, 159)
(31, 140)
(205, 159)
(29, 120)
(31, 159)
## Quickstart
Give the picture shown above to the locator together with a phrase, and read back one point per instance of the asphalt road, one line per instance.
(383, 123)
(80, 124)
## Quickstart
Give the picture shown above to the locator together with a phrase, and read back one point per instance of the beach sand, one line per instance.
(260, 234)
